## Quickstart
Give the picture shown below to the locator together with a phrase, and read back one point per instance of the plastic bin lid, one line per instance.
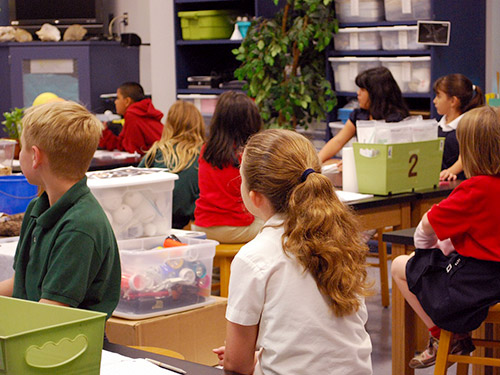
(352, 59)
(398, 28)
(196, 96)
(405, 59)
(128, 176)
(204, 13)
(357, 29)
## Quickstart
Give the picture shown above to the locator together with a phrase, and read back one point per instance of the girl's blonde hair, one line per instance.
(478, 135)
(184, 131)
(320, 231)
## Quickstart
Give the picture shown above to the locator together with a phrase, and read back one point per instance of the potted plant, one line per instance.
(283, 62)
(13, 126)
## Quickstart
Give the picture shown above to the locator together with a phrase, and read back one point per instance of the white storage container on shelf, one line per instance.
(357, 38)
(204, 102)
(407, 10)
(413, 74)
(359, 10)
(400, 38)
(137, 201)
(159, 280)
(345, 70)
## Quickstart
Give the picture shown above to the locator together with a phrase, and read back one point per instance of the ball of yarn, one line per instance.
(111, 200)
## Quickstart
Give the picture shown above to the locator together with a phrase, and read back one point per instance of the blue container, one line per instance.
(15, 194)
(343, 114)
(243, 27)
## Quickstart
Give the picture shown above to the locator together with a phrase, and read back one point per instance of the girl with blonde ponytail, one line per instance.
(297, 290)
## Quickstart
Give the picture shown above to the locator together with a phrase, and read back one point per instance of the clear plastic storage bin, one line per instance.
(137, 201)
(345, 70)
(400, 38)
(413, 74)
(407, 10)
(359, 10)
(159, 281)
(204, 102)
(357, 38)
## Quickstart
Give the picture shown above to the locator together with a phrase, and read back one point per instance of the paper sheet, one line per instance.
(117, 364)
(347, 196)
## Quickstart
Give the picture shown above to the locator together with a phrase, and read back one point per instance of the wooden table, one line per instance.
(113, 162)
(191, 368)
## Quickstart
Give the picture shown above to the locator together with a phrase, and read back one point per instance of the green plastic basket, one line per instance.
(398, 168)
(37, 338)
(206, 24)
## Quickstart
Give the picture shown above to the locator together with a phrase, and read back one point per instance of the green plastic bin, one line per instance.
(206, 24)
(398, 168)
(37, 338)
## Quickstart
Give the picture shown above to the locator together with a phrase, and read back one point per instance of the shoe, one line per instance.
(461, 344)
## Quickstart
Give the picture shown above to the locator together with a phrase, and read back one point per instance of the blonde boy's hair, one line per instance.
(66, 132)
(181, 140)
(319, 230)
(478, 135)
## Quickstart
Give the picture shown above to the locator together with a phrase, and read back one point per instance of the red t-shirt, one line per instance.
(470, 217)
(141, 129)
(220, 201)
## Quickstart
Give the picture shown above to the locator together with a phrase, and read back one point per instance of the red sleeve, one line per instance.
(109, 141)
(452, 216)
(131, 138)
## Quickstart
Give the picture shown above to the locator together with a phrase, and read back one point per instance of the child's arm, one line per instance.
(51, 302)
(335, 144)
(239, 353)
(451, 173)
(7, 287)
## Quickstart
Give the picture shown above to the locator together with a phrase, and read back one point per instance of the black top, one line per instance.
(451, 150)
(363, 114)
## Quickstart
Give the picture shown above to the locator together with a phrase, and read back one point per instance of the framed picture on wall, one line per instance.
(436, 33)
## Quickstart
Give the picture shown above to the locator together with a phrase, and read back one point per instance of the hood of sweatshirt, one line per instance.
(145, 108)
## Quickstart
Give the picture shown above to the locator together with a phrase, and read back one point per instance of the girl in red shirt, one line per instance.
(220, 211)
(455, 291)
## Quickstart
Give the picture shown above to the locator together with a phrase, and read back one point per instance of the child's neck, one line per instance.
(452, 115)
(56, 188)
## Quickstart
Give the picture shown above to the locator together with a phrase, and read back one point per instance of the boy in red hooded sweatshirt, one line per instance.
(142, 126)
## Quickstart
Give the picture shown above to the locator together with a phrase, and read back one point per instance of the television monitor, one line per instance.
(32, 14)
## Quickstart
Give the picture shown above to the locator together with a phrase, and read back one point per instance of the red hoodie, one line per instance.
(141, 129)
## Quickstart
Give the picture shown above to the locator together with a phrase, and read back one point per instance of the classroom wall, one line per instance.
(152, 20)
(492, 45)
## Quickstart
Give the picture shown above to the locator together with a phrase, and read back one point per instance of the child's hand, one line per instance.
(220, 353)
(446, 175)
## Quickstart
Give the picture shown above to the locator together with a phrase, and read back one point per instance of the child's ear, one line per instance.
(455, 102)
(37, 156)
(128, 101)
(256, 198)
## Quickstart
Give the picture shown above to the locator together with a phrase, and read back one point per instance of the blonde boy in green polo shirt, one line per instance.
(67, 253)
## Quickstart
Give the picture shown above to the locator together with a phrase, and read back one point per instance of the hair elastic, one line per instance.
(306, 173)
(473, 87)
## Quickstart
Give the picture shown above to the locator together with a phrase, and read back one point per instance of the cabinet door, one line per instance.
(64, 71)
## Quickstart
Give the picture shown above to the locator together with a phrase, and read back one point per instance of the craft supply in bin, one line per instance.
(359, 10)
(407, 10)
(345, 70)
(400, 38)
(38, 338)
(413, 74)
(159, 280)
(357, 38)
(137, 201)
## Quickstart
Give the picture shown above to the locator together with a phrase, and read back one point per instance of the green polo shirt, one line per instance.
(68, 253)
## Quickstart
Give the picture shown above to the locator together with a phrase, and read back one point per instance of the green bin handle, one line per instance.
(51, 354)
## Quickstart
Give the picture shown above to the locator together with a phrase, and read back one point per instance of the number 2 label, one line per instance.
(414, 160)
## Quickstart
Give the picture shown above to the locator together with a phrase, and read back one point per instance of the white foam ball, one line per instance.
(145, 213)
(133, 199)
(123, 214)
(149, 230)
(162, 228)
(110, 200)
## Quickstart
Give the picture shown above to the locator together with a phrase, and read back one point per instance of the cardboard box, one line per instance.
(192, 333)
(397, 168)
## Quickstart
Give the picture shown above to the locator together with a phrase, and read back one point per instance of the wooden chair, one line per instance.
(161, 351)
(382, 264)
(224, 255)
(463, 361)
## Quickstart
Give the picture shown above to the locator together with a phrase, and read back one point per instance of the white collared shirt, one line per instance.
(451, 125)
(298, 333)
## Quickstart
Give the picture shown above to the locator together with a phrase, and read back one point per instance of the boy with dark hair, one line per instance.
(67, 253)
(142, 126)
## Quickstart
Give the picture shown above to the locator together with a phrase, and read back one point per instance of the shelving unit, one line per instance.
(465, 54)
(203, 57)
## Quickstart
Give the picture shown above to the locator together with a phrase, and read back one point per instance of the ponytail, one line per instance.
(319, 230)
